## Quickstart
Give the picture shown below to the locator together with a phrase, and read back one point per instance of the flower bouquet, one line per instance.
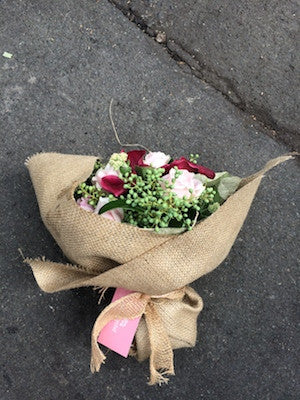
(154, 192)
(146, 224)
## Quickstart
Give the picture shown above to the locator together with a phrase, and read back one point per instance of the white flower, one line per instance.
(117, 160)
(156, 159)
(116, 214)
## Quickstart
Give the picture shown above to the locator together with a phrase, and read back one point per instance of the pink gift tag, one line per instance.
(118, 335)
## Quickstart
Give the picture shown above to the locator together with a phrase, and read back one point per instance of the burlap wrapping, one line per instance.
(106, 253)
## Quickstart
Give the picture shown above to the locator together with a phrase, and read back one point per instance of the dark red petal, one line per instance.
(113, 184)
(183, 163)
(135, 158)
(206, 171)
(180, 163)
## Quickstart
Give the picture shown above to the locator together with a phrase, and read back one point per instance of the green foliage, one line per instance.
(98, 165)
(228, 185)
(150, 203)
(118, 204)
(87, 189)
(156, 207)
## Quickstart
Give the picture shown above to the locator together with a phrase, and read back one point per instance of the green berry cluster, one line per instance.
(154, 205)
(98, 164)
(149, 201)
(194, 158)
(88, 191)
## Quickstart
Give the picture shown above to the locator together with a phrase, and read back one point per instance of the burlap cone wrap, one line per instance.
(106, 253)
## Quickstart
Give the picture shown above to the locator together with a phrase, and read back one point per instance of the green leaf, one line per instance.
(118, 204)
(124, 169)
(228, 185)
(218, 198)
(218, 177)
(213, 207)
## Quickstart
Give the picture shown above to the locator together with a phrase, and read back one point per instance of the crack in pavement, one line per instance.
(191, 65)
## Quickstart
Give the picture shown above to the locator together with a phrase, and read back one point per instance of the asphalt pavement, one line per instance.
(248, 50)
(69, 58)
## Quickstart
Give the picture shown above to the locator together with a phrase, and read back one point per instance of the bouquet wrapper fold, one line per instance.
(157, 268)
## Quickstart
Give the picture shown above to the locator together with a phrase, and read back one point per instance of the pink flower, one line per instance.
(101, 173)
(107, 178)
(116, 214)
(113, 184)
(83, 203)
(156, 159)
(184, 183)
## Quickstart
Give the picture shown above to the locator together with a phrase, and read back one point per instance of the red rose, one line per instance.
(135, 158)
(113, 184)
(183, 163)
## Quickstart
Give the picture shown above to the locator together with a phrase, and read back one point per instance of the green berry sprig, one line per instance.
(194, 158)
(161, 208)
(149, 201)
(88, 191)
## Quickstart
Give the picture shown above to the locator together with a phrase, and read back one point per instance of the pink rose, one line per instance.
(156, 159)
(184, 183)
(101, 173)
(116, 214)
(83, 203)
